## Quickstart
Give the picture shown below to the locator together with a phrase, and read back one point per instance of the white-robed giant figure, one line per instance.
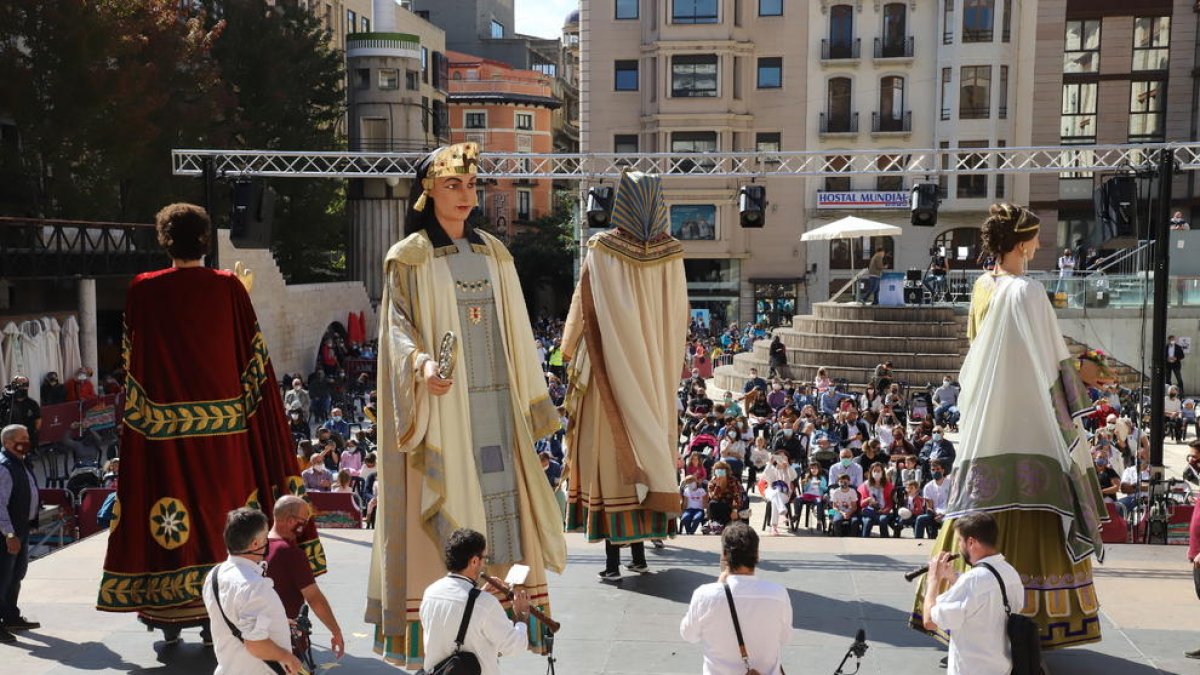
(625, 337)
(1024, 455)
(456, 452)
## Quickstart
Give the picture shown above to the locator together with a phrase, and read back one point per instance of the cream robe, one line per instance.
(427, 476)
(623, 431)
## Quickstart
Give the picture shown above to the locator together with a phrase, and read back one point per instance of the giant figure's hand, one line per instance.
(437, 385)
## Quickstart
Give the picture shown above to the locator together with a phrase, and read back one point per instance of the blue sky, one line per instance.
(543, 18)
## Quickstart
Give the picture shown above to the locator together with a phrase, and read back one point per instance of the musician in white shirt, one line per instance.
(490, 632)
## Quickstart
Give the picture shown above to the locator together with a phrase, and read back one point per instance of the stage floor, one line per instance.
(837, 586)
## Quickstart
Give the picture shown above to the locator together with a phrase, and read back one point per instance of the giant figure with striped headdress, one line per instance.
(625, 337)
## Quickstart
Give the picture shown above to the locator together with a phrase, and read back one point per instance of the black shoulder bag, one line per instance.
(1023, 637)
(737, 628)
(459, 662)
(275, 666)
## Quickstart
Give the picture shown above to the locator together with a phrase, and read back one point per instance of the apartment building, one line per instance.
(702, 76)
(504, 110)
(342, 18)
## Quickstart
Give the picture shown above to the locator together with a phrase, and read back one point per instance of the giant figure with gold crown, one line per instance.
(625, 337)
(1024, 455)
(203, 432)
(456, 449)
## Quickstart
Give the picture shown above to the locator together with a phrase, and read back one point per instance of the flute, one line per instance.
(922, 570)
(508, 595)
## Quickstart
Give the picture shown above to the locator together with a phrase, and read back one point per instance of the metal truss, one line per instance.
(731, 165)
(56, 249)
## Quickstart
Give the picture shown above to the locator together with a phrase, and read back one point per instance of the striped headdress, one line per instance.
(639, 208)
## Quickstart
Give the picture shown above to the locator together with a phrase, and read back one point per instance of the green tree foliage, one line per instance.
(288, 83)
(544, 255)
(101, 91)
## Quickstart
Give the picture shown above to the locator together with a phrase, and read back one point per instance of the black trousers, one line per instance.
(612, 553)
(1176, 369)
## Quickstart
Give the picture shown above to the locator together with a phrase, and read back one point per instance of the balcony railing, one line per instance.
(402, 45)
(529, 87)
(839, 51)
(378, 145)
(839, 124)
(945, 114)
(56, 249)
(974, 113)
(977, 35)
(890, 123)
(894, 49)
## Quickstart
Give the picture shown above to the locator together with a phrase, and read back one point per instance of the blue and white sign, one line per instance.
(862, 199)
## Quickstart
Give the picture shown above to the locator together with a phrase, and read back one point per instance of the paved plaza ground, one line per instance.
(836, 586)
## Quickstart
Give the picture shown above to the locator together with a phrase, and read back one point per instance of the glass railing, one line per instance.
(1118, 291)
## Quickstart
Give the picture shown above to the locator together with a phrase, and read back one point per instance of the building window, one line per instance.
(497, 30)
(351, 21)
(366, 25)
(841, 32)
(1146, 112)
(694, 222)
(1151, 40)
(693, 11)
(1081, 51)
(891, 104)
(524, 121)
(895, 31)
(625, 144)
(768, 142)
(626, 9)
(389, 78)
(947, 73)
(770, 7)
(1006, 22)
(694, 76)
(547, 69)
(849, 254)
(972, 186)
(625, 77)
(412, 80)
(524, 199)
(425, 114)
(1002, 113)
(425, 65)
(948, 22)
(373, 134)
(362, 78)
(839, 183)
(475, 120)
(770, 72)
(975, 93)
(978, 16)
(687, 142)
(838, 106)
(889, 183)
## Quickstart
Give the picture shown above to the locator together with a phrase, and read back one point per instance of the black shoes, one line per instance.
(610, 577)
(21, 623)
(640, 568)
(7, 637)
(1194, 654)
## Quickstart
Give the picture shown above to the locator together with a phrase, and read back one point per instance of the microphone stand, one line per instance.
(548, 640)
(858, 649)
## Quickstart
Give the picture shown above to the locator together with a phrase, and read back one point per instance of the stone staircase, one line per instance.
(1127, 375)
(849, 340)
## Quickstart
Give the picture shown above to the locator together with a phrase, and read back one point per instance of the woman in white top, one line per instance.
(779, 477)
(822, 382)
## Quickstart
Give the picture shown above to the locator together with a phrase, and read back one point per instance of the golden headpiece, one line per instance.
(452, 160)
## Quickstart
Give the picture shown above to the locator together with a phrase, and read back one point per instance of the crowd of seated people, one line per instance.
(819, 455)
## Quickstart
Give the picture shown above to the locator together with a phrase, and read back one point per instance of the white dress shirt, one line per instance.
(490, 633)
(250, 602)
(854, 471)
(973, 611)
(764, 612)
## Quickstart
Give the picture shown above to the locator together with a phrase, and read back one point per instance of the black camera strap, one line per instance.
(737, 626)
(275, 666)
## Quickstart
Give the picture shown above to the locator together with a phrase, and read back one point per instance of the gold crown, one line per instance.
(460, 159)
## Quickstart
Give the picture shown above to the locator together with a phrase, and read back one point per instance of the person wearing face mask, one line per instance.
(297, 398)
(53, 391)
(843, 506)
(1175, 356)
(779, 477)
(81, 388)
(938, 448)
(1110, 480)
(337, 424)
(777, 398)
(726, 497)
(1173, 410)
(288, 568)
(18, 513)
(945, 398)
(731, 406)
(937, 496)
(846, 466)
(875, 502)
(791, 443)
(17, 407)
(297, 425)
(238, 595)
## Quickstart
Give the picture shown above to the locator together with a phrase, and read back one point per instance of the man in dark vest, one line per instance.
(18, 511)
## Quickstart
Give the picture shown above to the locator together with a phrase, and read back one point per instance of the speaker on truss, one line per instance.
(252, 211)
(1115, 202)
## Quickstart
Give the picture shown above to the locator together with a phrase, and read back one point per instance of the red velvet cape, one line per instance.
(203, 432)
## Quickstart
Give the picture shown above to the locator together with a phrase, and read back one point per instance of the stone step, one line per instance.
(844, 358)
(855, 311)
(873, 343)
(734, 376)
(865, 328)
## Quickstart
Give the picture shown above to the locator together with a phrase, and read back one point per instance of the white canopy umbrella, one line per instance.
(851, 227)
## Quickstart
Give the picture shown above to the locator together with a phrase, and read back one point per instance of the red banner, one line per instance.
(73, 418)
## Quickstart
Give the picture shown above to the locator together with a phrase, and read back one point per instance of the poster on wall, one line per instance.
(690, 222)
(701, 317)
